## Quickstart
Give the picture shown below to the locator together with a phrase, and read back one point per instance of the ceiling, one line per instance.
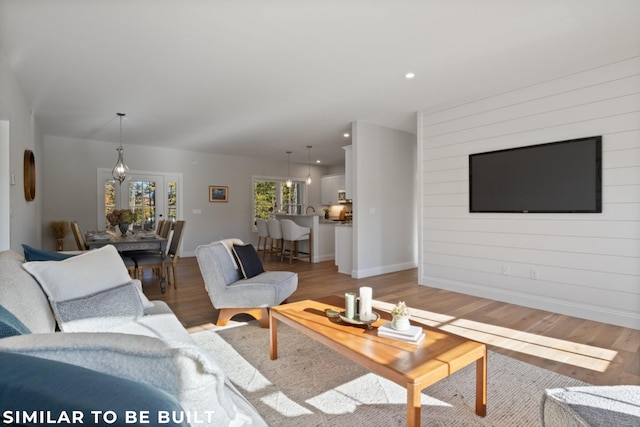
(257, 78)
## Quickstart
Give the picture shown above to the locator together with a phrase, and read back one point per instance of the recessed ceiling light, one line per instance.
(346, 135)
(410, 75)
(317, 161)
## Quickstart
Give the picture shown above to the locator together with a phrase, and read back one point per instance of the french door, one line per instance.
(151, 196)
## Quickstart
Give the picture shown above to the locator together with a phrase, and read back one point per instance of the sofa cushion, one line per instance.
(183, 370)
(85, 274)
(94, 285)
(108, 308)
(10, 325)
(33, 254)
(30, 384)
(248, 260)
(21, 294)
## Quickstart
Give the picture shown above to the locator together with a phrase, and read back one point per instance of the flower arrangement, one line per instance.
(400, 309)
(59, 229)
(121, 216)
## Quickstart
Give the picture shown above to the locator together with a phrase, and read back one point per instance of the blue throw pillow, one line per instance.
(10, 325)
(30, 385)
(248, 260)
(33, 254)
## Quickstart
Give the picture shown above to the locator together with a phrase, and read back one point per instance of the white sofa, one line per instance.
(112, 329)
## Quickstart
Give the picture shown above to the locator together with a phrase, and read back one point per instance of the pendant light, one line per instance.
(120, 169)
(289, 181)
(309, 164)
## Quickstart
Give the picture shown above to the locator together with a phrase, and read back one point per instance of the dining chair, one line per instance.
(147, 259)
(294, 233)
(275, 234)
(165, 229)
(77, 234)
(263, 233)
(159, 227)
(79, 237)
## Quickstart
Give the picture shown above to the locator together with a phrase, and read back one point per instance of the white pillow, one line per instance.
(86, 274)
(91, 290)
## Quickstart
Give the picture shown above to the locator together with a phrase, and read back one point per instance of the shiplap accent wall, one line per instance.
(587, 265)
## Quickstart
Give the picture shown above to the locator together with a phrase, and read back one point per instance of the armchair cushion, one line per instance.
(248, 260)
(263, 290)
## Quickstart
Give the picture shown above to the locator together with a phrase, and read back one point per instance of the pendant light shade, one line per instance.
(309, 164)
(289, 182)
(120, 169)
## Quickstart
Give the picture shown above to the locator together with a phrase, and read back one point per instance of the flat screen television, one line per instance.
(558, 177)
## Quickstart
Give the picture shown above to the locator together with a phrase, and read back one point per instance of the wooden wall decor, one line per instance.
(29, 175)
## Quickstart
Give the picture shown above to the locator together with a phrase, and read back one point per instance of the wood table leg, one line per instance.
(413, 405)
(273, 336)
(481, 385)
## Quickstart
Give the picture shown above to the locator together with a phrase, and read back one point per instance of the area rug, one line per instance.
(311, 385)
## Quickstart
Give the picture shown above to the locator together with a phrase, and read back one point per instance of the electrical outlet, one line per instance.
(506, 270)
(533, 273)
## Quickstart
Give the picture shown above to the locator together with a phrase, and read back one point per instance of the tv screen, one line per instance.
(563, 176)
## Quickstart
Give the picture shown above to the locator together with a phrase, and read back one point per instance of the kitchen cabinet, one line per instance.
(329, 187)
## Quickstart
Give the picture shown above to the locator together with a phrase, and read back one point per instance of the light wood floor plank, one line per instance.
(594, 352)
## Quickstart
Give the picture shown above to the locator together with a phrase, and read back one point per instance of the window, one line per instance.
(138, 193)
(271, 196)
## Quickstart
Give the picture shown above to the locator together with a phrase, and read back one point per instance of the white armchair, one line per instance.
(231, 294)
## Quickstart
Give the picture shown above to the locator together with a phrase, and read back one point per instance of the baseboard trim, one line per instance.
(584, 311)
(383, 269)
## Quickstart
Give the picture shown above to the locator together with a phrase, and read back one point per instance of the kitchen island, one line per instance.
(323, 236)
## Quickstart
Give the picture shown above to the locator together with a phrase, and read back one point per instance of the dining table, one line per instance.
(131, 241)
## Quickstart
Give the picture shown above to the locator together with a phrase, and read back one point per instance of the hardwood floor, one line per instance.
(594, 352)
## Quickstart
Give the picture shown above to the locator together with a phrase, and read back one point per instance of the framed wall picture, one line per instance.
(218, 193)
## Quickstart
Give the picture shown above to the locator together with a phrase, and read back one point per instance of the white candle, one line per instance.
(366, 296)
(350, 305)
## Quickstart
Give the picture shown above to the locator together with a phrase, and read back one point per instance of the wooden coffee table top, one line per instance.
(435, 358)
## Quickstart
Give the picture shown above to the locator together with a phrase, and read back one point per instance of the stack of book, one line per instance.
(413, 335)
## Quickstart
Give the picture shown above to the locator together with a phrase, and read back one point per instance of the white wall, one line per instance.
(25, 216)
(385, 180)
(588, 264)
(70, 186)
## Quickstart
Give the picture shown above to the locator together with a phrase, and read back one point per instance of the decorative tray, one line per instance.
(374, 317)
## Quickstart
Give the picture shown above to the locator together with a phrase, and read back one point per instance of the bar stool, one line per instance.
(263, 233)
(275, 234)
(294, 233)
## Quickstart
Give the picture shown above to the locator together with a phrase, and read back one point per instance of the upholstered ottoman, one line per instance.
(591, 406)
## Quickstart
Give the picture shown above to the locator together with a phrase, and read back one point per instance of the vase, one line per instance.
(400, 323)
(124, 227)
(59, 244)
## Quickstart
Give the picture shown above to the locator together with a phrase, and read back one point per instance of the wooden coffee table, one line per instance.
(412, 366)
